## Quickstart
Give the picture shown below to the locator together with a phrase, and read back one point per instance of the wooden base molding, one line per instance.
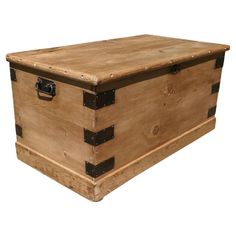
(94, 189)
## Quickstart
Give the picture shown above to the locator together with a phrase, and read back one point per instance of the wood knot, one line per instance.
(155, 130)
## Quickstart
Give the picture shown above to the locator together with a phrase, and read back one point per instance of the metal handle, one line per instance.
(46, 87)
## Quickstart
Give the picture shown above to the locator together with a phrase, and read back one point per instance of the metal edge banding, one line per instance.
(152, 74)
(99, 169)
(97, 138)
(125, 80)
(215, 88)
(19, 131)
(99, 100)
(13, 74)
(211, 112)
(52, 76)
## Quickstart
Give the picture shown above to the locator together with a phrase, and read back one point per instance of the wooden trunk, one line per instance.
(94, 115)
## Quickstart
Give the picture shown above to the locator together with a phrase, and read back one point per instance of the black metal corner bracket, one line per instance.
(219, 61)
(13, 74)
(215, 88)
(97, 138)
(211, 112)
(99, 169)
(19, 131)
(99, 100)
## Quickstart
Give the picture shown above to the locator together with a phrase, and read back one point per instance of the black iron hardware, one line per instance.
(46, 87)
(211, 111)
(215, 88)
(97, 138)
(219, 61)
(13, 74)
(99, 100)
(175, 69)
(99, 169)
(19, 130)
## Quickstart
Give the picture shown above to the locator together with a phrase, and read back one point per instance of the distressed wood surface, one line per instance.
(104, 61)
(54, 128)
(96, 190)
(66, 176)
(67, 104)
(125, 173)
(145, 115)
(150, 113)
(152, 118)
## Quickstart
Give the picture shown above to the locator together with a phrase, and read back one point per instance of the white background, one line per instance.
(193, 192)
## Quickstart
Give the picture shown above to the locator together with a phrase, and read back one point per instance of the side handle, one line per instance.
(47, 87)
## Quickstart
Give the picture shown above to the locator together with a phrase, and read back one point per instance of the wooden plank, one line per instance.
(69, 178)
(149, 113)
(161, 110)
(105, 61)
(122, 175)
(67, 104)
(54, 128)
(55, 138)
(152, 118)
(96, 190)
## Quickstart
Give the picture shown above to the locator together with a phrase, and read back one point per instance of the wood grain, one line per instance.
(150, 113)
(67, 104)
(69, 178)
(145, 115)
(122, 175)
(101, 62)
(152, 117)
(96, 190)
(54, 128)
